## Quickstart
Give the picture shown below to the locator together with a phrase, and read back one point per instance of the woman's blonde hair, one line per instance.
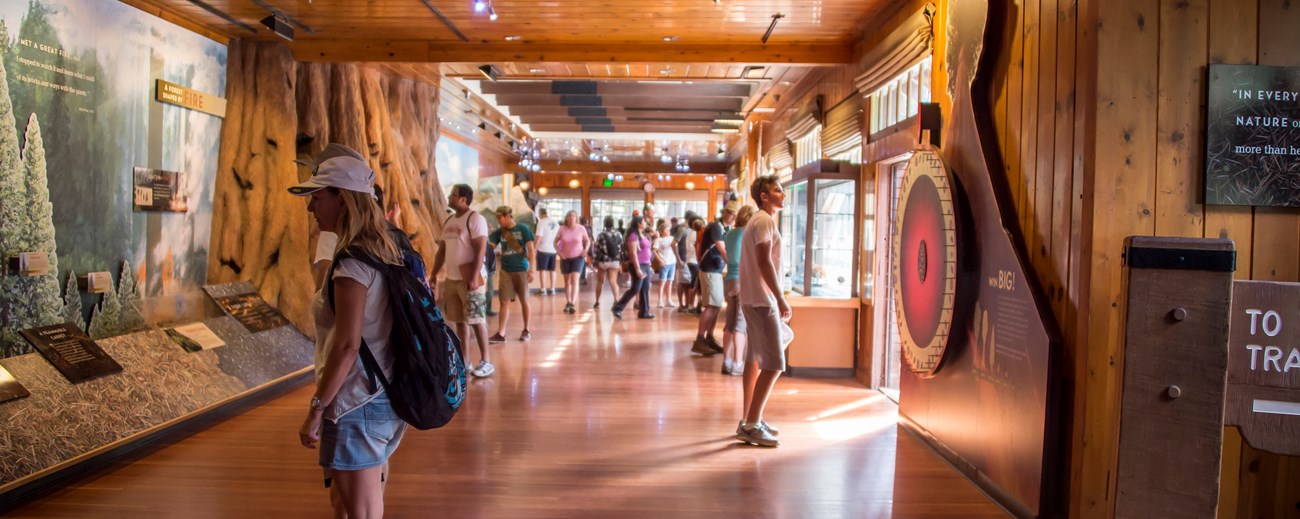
(742, 217)
(362, 224)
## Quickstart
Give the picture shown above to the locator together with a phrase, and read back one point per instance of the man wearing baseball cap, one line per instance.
(517, 256)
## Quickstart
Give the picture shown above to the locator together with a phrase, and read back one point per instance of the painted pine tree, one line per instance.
(46, 305)
(128, 289)
(107, 319)
(72, 303)
(14, 313)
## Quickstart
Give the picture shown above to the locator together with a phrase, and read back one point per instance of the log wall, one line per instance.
(265, 235)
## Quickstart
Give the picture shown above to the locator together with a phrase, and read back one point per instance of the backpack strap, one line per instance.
(368, 361)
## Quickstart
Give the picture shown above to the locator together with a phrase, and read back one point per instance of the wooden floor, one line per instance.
(594, 417)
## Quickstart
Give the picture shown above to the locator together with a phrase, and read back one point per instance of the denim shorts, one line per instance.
(666, 273)
(362, 439)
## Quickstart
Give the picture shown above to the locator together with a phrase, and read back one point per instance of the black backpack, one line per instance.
(428, 383)
(609, 247)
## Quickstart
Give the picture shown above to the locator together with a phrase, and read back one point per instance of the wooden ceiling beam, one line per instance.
(620, 89)
(630, 166)
(345, 50)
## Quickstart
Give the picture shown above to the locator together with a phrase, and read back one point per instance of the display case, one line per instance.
(820, 229)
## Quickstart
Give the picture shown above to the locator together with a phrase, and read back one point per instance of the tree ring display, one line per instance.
(925, 262)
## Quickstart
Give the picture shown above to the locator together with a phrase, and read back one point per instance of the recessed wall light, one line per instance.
(514, 38)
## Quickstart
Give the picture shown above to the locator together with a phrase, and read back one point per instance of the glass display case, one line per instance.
(819, 229)
(832, 238)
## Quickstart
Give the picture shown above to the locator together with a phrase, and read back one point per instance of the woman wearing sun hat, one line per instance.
(352, 422)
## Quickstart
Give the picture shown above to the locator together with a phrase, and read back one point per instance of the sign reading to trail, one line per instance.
(1264, 365)
(71, 351)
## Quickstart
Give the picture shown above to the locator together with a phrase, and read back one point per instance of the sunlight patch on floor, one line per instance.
(849, 428)
(846, 407)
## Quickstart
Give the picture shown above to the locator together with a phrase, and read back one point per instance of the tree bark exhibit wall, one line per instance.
(391, 120)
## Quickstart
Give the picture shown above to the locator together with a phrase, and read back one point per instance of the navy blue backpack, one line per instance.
(428, 375)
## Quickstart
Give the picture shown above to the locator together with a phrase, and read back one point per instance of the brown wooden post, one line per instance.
(1174, 367)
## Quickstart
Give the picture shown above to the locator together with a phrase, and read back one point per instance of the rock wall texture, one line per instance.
(280, 110)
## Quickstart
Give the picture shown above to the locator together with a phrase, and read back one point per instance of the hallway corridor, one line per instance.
(595, 417)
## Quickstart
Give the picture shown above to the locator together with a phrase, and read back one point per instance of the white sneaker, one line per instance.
(484, 369)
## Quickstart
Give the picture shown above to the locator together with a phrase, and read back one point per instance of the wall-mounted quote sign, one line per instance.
(156, 190)
(171, 93)
(1252, 136)
(71, 351)
(1263, 397)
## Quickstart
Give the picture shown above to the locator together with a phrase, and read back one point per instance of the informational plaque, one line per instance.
(158, 190)
(1264, 365)
(71, 351)
(195, 337)
(1252, 136)
(10, 388)
(243, 303)
(171, 93)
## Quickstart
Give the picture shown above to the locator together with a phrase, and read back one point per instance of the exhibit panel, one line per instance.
(79, 123)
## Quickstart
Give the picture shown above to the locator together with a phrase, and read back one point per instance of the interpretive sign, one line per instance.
(1252, 136)
(159, 191)
(71, 351)
(242, 302)
(10, 388)
(171, 93)
(195, 337)
(1264, 365)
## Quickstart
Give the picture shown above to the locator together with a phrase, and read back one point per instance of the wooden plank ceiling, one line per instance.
(574, 71)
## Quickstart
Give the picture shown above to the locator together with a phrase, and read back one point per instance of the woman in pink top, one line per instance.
(571, 242)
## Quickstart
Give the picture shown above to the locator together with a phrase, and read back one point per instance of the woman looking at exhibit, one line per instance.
(352, 422)
(571, 242)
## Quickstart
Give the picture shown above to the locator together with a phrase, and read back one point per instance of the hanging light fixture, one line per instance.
(574, 183)
(690, 185)
(523, 184)
(542, 191)
(480, 6)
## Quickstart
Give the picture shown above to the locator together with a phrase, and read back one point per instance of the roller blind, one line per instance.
(684, 195)
(555, 192)
(905, 46)
(778, 156)
(843, 130)
(802, 125)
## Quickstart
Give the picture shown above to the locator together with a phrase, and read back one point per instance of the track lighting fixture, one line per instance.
(279, 26)
(776, 17)
(480, 6)
(492, 13)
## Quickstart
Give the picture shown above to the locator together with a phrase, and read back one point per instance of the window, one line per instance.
(853, 156)
(808, 148)
(899, 99)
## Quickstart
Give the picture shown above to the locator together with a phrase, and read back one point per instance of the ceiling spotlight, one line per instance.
(514, 38)
(722, 149)
(492, 14)
(542, 191)
(536, 167)
(610, 176)
(480, 6)
(523, 184)
(537, 70)
(671, 38)
(574, 183)
(665, 158)
(690, 185)
(279, 26)
(618, 178)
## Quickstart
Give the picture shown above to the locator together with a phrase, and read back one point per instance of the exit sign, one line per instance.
(609, 182)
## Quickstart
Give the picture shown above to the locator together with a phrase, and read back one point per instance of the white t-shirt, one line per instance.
(458, 237)
(546, 229)
(690, 247)
(375, 328)
(753, 291)
(664, 250)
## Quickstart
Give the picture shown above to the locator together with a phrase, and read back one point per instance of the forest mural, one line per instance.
(77, 115)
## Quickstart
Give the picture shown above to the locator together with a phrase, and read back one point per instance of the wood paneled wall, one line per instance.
(1099, 108)
(265, 235)
(834, 84)
(1149, 165)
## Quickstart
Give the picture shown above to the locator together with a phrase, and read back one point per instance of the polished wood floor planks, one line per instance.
(595, 417)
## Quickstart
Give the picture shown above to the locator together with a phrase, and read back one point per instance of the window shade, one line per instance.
(906, 46)
(802, 125)
(843, 130)
(778, 157)
(609, 193)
